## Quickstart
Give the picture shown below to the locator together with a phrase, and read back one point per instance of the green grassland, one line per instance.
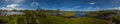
(37, 17)
(50, 20)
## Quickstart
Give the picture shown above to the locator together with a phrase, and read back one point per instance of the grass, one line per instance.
(86, 20)
(117, 17)
(51, 20)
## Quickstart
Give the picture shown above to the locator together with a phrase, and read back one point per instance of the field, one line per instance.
(37, 17)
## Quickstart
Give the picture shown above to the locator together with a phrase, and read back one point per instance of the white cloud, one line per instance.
(77, 7)
(97, 8)
(9, 9)
(63, 7)
(92, 3)
(111, 8)
(89, 7)
(4, 8)
(68, 9)
(93, 9)
(34, 4)
(117, 8)
(12, 5)
(19, 8)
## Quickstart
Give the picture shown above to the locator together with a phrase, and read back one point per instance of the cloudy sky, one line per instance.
(64, 5)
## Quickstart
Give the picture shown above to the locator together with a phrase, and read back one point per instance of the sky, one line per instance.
(63, 5)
